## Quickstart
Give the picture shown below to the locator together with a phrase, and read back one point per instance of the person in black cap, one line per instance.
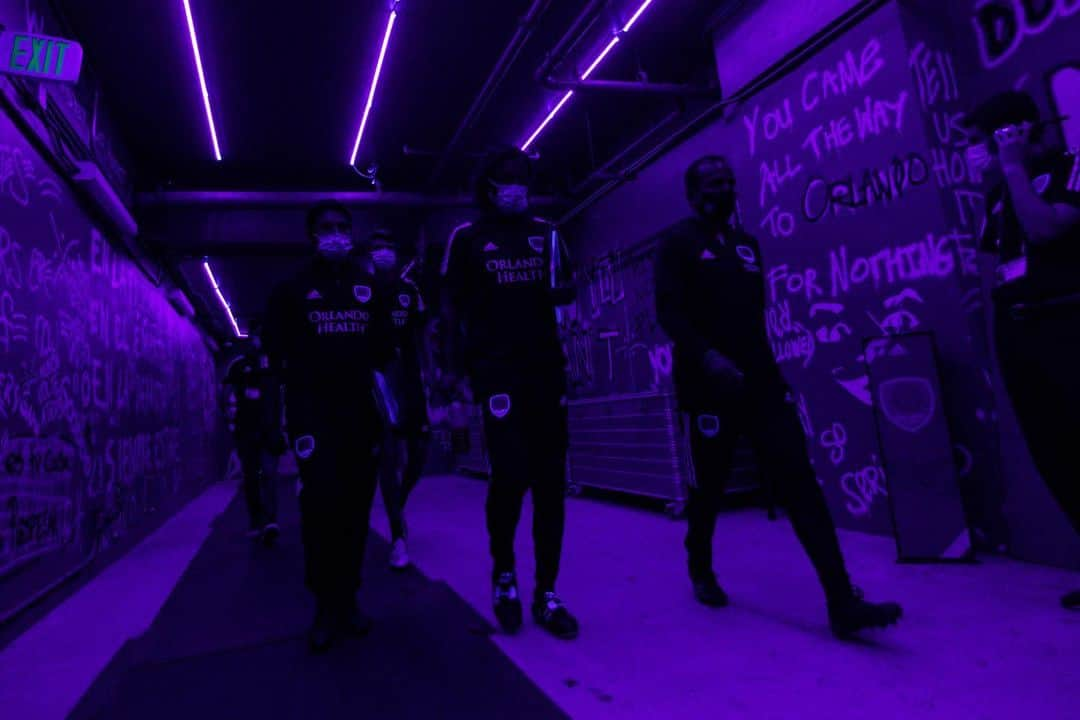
(710, 299)
(1032, 230)
(326, 332)
(404, 448)
(254, 402)
(504, 275)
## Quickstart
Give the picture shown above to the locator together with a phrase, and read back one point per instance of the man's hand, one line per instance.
(1012, 141)
(720, 367)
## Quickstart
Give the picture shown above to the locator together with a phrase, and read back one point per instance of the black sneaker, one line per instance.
(507, 602)
(353, 621)
(270, 534)
(550, 613)
(849, 616)
(1071, 601)
(708, 592)
(321, 635)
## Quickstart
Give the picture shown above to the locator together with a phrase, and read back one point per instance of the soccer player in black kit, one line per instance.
(255, 420)
(1032, 231)
(710, 299)
(504, 275)
(404, 449)
(326, 332)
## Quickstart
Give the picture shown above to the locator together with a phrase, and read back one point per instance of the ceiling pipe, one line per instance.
(569, 38)
(510, 53)
(198, 251)
(634, 87)
(259, 198)
(777, 71)
(410, 151)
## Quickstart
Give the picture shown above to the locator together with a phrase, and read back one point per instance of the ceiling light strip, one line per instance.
(600, 58)
(202, 79)
(374, 83)
(221, 298)
(585, 75)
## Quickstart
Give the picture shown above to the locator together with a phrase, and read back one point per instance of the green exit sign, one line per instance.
(40, 56)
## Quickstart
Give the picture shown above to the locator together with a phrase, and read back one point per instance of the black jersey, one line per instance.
(328, 329)
(497, 275)
(255, 393)
(710, 295)
(1026, 271)
(407, 314)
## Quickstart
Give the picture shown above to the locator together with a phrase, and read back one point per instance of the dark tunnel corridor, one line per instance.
(539, 358)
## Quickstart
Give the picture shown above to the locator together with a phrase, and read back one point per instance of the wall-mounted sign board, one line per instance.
(40, 56)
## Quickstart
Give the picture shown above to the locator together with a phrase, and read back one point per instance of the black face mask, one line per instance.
(716, 204)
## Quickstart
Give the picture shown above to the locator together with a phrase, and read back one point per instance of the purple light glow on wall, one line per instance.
(374, 83)
(588, 71)
(221, 298)
(202, 79)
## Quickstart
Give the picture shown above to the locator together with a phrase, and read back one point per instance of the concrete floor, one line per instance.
(45, 671)
(985, 641)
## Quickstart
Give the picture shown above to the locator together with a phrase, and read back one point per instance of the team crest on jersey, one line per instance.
(1041, 183)
(404, 299)
(536, 242)
(499, 405)
(708, 425)
(362, 293)
(304, 446)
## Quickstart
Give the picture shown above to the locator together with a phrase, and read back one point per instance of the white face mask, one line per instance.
(384, 258)
(334, 245)
(511, 199)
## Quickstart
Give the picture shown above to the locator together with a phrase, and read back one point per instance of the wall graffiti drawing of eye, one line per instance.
(834, 334)
(899, 322)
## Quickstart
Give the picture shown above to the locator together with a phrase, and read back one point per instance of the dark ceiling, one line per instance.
(288, 80)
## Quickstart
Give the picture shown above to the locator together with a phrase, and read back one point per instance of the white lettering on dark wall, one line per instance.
(107, 396)
(774, 175)
(849, 74)
(790, 340)
(1002, 25)
(862, 486)
(935, 75)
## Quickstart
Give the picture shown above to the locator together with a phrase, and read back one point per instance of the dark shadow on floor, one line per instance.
(230, 643)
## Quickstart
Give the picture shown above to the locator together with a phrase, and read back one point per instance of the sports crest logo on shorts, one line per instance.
(708, 425)
(499, 405)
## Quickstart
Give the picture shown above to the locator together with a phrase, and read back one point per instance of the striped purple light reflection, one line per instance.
(374, 83)
(221, 299)
(202, 80)
(585, 75)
